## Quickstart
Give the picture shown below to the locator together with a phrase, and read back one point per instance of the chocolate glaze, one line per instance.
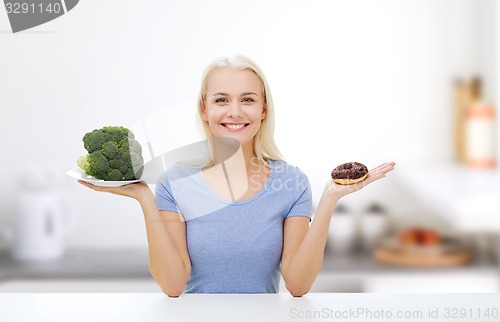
(349, 170)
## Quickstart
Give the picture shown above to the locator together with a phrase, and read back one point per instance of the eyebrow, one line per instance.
(225, 94)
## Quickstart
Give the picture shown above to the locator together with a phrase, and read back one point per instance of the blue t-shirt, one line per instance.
(235, 247)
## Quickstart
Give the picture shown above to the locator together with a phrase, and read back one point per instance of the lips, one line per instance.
(235, 126)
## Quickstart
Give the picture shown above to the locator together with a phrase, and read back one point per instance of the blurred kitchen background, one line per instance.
(415, 82)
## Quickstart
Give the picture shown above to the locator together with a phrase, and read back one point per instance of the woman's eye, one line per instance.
(221, 100)
(248, 100)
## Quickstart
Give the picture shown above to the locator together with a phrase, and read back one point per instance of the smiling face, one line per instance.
(234, 105)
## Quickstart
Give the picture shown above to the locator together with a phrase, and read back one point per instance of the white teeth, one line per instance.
(234, 126)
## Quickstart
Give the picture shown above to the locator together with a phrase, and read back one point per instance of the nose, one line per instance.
(235, 110)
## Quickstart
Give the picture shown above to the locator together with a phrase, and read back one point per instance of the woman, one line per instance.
(233, 224)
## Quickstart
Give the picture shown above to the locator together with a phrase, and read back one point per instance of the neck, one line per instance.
(249, 156)
(237, 156)
(236, 171)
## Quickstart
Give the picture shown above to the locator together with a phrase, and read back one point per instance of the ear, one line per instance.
(264, 112)
(203, 111)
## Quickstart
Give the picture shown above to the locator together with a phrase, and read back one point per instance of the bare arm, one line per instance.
(304, 246)
(169, 261)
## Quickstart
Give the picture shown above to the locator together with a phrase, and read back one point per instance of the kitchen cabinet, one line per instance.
(469, 199)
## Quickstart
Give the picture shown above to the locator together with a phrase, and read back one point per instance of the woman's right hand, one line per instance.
(135, 190)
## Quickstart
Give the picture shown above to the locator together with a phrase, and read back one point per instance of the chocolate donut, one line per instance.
(349, 173)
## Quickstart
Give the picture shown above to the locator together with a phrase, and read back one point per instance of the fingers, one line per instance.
(383, 168)
(91, 186)
(372, 177)
(378, 172)
(83, 183)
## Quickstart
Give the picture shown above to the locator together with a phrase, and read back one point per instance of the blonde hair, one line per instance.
(264, 146)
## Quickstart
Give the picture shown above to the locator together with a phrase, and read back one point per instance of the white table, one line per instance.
(121, 307)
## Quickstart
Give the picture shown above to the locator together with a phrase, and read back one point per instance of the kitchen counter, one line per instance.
(248, 307)
(80, 263)
(133, 263)
(127, 271)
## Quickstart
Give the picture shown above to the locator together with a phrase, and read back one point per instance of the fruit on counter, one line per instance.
(113, 154)
(417, 236)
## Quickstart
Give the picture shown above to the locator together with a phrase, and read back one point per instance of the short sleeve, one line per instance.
(164, 196)
(302, 196)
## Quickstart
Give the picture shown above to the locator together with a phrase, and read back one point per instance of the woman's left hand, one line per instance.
(337, 191)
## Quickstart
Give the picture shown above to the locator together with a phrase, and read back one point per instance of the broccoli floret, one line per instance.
(113, 154)
(114, 175)
(135, 146)
(93, 141)
(83, 163)
(129, 175)
(124, 154)
(120, 162)
(117, 163)
(137, 160)
(98, 164)
(109, 149)
(115, 133)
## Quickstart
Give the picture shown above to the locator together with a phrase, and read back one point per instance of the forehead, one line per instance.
(233, 81)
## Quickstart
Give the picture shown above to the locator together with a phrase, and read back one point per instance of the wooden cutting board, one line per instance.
(422, 258)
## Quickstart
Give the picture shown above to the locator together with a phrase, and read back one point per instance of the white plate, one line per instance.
(79, 174)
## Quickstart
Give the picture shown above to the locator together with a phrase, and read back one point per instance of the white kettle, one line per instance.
(42, 218)
(39, 225)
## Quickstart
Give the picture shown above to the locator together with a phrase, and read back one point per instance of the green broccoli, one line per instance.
(113, 154)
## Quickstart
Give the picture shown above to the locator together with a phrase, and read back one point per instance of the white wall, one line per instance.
(352, 80)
